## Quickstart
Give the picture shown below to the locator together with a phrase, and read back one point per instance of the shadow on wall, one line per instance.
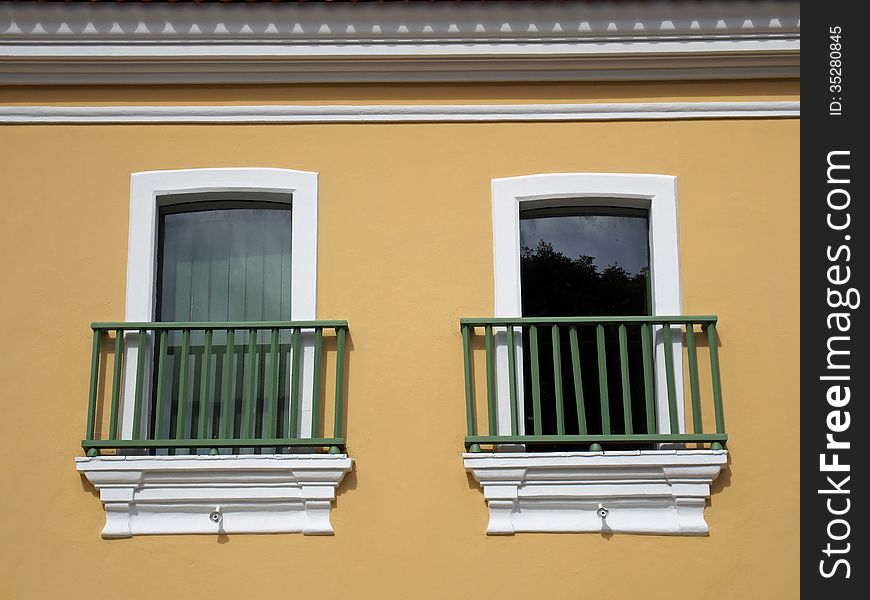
(722, 482)
(87, 486)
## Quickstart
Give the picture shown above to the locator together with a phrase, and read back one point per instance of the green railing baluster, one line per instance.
(602, 379)
(648, 389)
(578, 379)
(697, 425)
(116, 384)
(536, 380)
(204, 387)
(623, 374)
(316, 392)
(249, 403)
(295, 378)
(557, 380)
(469, 380)
(274, 375)
(227, 395)
(491, 409)
(338, 428)
(95, 377)
(668, 349)
(140, 380)
(512, 381)
(180, 420)
(163, 344)
(712, 341)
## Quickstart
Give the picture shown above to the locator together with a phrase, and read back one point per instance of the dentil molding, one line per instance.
(280, 493)
(100, 43)
(643, 491)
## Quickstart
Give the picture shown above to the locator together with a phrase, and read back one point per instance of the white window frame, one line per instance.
(655, 193)
(151, 190)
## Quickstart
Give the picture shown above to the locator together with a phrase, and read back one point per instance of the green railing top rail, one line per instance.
(654, 320)
(206, 325)
(635, 438)
(622, 344)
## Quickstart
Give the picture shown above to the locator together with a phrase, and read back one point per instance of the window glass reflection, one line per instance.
(584, 264)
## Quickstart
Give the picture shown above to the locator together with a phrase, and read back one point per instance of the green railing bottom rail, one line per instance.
(582, 353)
(216, 386)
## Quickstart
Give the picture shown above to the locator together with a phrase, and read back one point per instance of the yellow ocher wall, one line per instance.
(405, 250)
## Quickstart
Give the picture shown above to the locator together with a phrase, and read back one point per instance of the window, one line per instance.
(156, 193)
(577, 259)
(225, 260)
(213, 247)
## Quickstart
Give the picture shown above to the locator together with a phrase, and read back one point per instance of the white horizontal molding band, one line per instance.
(397, 113)
(94, 43)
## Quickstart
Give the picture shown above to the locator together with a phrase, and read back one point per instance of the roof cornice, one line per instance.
(316, 42)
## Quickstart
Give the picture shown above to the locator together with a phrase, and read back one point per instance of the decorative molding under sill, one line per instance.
(278, 493)
(400, 113)
(642, 491)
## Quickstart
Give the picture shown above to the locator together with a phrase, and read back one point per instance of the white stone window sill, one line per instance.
(274, 493)
(641, 491)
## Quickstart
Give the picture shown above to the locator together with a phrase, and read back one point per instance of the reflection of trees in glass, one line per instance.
(556, 285)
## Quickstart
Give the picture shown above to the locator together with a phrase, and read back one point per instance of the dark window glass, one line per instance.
(218, 262)
(585, 262)
(227, 264)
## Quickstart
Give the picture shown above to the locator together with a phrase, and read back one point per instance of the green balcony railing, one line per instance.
(216, 387)
(592, 382)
